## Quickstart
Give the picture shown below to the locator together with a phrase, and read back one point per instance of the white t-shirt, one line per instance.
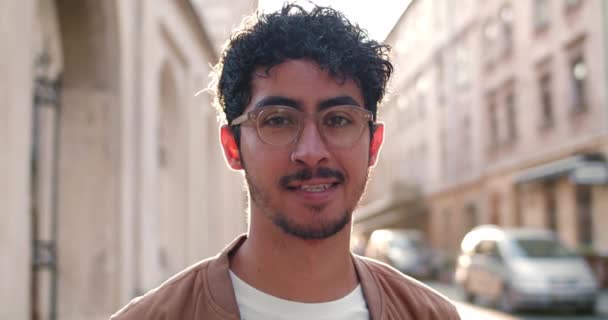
(257, 305)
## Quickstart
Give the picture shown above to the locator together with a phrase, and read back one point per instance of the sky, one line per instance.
(377, 16)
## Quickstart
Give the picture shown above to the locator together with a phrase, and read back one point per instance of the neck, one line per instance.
(296, 269)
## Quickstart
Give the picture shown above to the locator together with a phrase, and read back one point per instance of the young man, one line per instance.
(299, 91)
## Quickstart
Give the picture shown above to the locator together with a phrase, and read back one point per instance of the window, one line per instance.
(440, 79)
(421, 152)
(541, 248)
(489, 39)
(493, 121)
(506, 23)
(422, 86)
(443, 149)
(511, 111)
(578, 83)
(421, 105)
(541, 14)
(466, 150)
(462, 64)
(546, 100)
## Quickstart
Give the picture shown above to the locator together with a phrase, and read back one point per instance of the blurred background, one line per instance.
(112, 178)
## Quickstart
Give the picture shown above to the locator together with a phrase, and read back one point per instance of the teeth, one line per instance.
(315, 187)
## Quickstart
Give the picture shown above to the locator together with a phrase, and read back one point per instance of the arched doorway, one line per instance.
(90, 160)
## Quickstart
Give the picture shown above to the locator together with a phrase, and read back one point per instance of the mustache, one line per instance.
(307, 174)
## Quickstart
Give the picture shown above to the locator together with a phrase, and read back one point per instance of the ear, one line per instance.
(376, 143)
(231, 149)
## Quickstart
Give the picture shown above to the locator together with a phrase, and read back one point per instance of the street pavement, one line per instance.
(473, 312)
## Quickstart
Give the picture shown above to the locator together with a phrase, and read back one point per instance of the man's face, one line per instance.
(308, 187)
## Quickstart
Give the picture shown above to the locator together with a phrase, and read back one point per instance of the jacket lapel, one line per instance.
(221, 290)
(371, 292)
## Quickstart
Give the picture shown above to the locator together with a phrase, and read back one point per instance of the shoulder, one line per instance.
(403, 294)
(173, 299)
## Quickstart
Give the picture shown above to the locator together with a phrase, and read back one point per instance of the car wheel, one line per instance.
(588, 309)
(469, 296)
(505, 301)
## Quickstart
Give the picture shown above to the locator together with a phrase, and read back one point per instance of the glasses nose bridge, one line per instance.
(304, 122)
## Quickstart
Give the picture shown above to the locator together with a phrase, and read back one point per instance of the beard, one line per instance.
(322, 228)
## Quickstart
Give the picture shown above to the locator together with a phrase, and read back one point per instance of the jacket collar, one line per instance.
(218, 277)
(371, 292)
(222, 292)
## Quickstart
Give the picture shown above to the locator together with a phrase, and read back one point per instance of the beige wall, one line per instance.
(15, 124)
(115, 57)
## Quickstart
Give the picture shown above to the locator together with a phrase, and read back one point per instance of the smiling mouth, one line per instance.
(313, 187)
(316, 187)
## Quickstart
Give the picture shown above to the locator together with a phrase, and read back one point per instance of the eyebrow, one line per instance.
(338, 101)
(277, 101)
(288, 102)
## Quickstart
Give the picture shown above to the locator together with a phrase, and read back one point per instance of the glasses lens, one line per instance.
(343, 126)
(278, 125)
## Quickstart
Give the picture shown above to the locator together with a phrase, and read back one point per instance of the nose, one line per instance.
(310, 149)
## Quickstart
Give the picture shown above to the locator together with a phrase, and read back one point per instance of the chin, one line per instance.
(319, 229)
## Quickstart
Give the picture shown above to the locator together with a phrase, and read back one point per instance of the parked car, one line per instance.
(524, 268)
(403, 249)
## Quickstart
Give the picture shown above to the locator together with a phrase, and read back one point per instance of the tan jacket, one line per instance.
(204, 291)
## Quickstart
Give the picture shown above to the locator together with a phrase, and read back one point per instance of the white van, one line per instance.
(524, 268)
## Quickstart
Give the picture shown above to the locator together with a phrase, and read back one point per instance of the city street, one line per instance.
(473, 312)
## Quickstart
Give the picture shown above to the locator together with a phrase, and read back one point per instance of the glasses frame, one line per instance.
(251, 117)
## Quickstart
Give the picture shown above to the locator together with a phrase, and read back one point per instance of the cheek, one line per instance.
(251, 147)
(355, 161)
(260, 161)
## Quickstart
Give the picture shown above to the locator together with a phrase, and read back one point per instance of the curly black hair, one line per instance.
(323, 35)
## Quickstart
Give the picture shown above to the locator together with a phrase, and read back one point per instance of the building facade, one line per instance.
(112, 174)
(498, 115)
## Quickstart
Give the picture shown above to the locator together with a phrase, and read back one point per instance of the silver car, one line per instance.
(404, 249)
(524, 268)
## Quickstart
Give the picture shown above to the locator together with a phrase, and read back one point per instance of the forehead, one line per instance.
(302, 81)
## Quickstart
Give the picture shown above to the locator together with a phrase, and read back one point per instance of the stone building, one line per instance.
(112, 177)
(498, 114)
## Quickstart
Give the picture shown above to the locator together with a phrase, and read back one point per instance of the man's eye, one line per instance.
(337, 121)
(278, 121)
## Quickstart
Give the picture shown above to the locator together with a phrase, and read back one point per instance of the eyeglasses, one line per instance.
(339, 126)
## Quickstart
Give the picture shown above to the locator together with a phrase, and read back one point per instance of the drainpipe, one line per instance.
(47, 92)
